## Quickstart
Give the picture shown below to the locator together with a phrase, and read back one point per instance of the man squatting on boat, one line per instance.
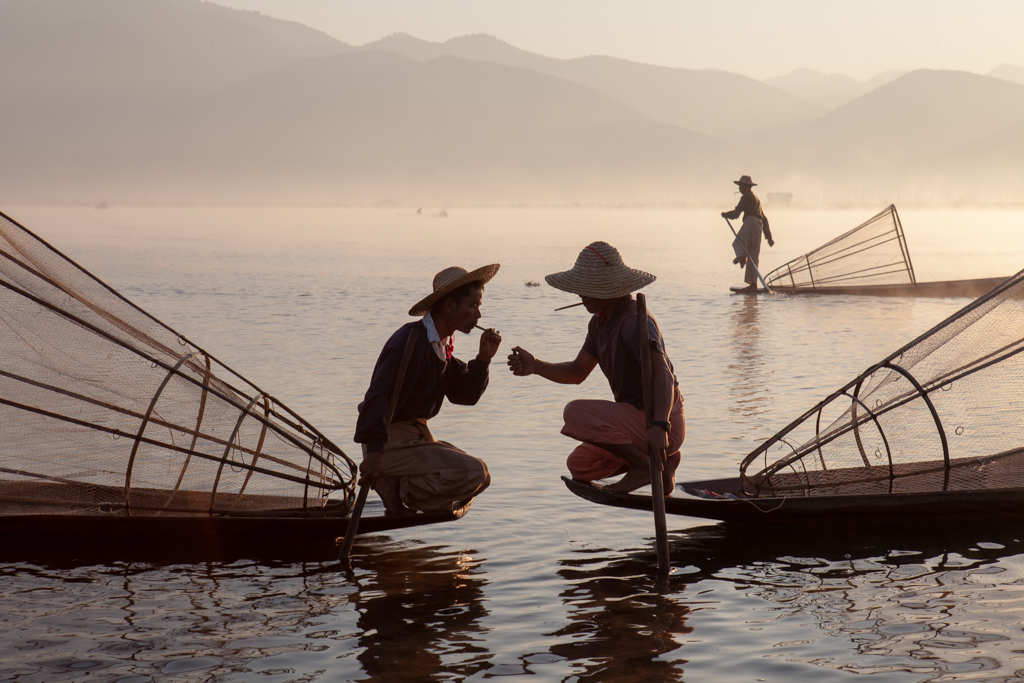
(404, 463)
(748, 240)
(614, 435)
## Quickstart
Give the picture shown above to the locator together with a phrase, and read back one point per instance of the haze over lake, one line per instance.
(181, 101)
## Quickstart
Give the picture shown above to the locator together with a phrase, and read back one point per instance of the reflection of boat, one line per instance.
(870, 260)
(931, 431)
(119, 431)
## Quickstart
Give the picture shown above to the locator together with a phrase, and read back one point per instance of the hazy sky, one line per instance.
(759, 38)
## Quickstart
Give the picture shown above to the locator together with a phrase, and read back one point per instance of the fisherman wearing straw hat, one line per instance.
(408, 468)
(747, 245)
(613, 434)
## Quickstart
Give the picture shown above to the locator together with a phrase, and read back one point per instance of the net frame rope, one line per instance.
(75, 358)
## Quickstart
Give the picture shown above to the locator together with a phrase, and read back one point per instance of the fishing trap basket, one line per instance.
(873, 253)
(105, 410)
(942, 413)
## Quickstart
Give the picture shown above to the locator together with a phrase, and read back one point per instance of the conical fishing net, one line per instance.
(943, 413)
(873, 253)
(107, 411)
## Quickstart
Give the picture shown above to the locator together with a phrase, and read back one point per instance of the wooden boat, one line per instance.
(941, 289)
(931, 432)
(722, 500)
(285, 535)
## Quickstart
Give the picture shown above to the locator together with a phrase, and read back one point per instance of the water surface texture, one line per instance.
(533, 581)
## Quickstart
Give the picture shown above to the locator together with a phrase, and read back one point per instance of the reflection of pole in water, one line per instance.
(420, 613)
(616, 630)
(750, 389)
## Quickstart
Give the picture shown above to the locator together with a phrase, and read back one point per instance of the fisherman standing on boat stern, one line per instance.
(404, 463)
(614, 434)
(748, 240)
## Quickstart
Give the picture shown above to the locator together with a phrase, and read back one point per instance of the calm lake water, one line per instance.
(534, 581)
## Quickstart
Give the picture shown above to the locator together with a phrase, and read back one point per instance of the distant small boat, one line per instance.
(870, 260)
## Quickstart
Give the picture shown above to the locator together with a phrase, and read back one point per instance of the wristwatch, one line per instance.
(663, 424)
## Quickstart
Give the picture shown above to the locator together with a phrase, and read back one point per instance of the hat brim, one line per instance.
(483, 274)
(741, 184)
(619, 282)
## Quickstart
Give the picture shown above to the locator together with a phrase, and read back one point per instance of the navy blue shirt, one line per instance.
(428, 380)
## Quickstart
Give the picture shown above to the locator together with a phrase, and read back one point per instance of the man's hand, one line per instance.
(723, 214)
(371, 468)
(521, 362)
(490, 340)
(657, 443)
(771, 243)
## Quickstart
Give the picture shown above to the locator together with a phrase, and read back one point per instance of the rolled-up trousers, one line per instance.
(608, 422)
(434, 475)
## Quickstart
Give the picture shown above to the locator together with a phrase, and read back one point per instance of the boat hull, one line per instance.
(191, 538)
(844, 510)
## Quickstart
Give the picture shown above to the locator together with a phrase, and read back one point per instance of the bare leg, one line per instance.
(668, 476)
(388, 488)
(639, 473)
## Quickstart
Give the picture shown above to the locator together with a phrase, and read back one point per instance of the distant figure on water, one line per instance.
(614, 434)
(747, 245)
(404, 463)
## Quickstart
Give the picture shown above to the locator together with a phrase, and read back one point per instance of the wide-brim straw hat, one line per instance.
(451, 279)
(600, 273)
(745, 180)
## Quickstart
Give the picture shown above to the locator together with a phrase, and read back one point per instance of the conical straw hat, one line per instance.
(450, 279)
(600, 273)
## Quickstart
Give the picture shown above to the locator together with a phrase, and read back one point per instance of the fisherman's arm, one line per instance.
(467, 381)
(767, 230)
(523, 363)
(664, 392)
(741, 206)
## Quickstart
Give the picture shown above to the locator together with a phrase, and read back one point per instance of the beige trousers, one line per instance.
(434, 474)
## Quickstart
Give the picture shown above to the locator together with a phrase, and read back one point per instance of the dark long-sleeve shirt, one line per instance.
(750, 205)
(428, 380)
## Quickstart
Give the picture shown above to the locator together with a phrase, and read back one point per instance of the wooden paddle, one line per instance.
(657, 487)
(744, 248)
(364, 489)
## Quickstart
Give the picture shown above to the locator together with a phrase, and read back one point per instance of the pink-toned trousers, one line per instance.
(607, 422)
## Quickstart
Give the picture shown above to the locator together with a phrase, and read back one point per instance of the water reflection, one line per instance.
(749, 391)
(420, 612)
(406, 612)
(943, 604)
(619, 627)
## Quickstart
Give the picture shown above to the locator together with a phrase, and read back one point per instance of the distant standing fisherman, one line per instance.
(404, 463)
(748, 240)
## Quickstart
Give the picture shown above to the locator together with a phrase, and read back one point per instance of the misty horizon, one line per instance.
(180, 101)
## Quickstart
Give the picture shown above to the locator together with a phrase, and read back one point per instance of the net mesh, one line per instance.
(943, 413)
(106, 410)
(873, 253)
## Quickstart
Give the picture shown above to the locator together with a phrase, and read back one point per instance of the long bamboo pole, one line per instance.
(744, 248)
(657, 466)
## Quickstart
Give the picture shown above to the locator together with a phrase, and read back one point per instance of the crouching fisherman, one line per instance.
(614, 435)
(404, 463)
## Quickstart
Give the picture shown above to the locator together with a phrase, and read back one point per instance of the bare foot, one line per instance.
(736, 260)
(634, 479)
(668, 476)
(388, 488)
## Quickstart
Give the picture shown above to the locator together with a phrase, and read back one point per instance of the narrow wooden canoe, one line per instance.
(939, 289)
(277, 535)
(721, 499)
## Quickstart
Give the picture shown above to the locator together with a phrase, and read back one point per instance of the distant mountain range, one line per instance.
(187, 101)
